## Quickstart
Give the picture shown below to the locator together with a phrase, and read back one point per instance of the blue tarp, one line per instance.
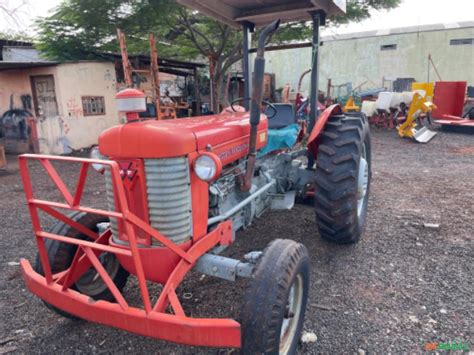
(280, 138)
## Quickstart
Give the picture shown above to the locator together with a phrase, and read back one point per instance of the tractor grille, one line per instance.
(169, 199)
(109, 190)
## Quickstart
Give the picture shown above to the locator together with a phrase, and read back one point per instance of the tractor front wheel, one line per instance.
(61, 255)
(274, 304)
(343, 173)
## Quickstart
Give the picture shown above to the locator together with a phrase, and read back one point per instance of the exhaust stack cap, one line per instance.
(131, 102)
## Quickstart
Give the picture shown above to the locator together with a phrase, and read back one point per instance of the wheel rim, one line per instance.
(292, 315)
(91, 283)
(362, 181)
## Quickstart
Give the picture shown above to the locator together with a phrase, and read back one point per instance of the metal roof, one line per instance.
(170, 66)
(261, 12)
(24, 65)
(21, 54)
(8, 42)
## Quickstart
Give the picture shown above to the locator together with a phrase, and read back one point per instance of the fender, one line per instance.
(315, 137)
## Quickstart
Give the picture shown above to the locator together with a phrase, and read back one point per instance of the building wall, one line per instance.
(70, 129)
(74, 80)
(15, 85)
(360, 60)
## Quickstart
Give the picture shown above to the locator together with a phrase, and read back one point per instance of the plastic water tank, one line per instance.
(369, 108)
(384, 99)
(396, 99)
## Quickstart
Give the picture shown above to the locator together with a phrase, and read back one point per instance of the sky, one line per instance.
(409, 13)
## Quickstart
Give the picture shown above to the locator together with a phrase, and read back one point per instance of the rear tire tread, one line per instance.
(336, 177)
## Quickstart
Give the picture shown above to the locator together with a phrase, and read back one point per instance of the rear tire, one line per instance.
(274, 304)
(343, 174)
(61, 255)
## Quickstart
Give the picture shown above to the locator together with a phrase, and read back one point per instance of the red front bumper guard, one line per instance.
(149, 321)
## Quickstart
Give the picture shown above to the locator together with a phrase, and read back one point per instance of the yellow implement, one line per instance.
(408, 128)
(350, 105)
(428, 88)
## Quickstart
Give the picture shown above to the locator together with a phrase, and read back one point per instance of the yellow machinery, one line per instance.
(428, 88)
(350, 105)
(418, 106)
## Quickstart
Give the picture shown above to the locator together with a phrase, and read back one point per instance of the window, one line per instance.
(461, 41)
(93, 105)
(388, 47)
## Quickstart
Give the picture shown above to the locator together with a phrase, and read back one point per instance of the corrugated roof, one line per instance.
(24, 65)
(9, 42)
(21, 54)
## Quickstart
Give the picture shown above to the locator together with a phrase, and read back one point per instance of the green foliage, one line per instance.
(78, 29)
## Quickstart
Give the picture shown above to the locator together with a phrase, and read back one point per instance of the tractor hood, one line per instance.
(173, 138)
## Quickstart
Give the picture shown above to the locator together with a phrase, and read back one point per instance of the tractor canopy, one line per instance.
(236, 12)
(174, 138)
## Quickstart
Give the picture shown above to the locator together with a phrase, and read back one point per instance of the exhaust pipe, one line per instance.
(256, 102)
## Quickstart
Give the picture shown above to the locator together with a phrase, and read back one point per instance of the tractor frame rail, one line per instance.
(151, 320)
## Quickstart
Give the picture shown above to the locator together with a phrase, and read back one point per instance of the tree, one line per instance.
(79, 29)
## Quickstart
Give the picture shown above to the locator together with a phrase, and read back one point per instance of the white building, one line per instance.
(56, 108)
(367, 58)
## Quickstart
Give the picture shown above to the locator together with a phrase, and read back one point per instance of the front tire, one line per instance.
(274, 304)
(61, 255)
(343, 174)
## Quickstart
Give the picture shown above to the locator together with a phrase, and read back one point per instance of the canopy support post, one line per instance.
(248, 28)
(319, 19)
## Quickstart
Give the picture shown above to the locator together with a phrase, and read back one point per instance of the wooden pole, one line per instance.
(430, 59)
(155, 76)
(127, 68)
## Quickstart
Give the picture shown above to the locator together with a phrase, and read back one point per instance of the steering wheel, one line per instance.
(268, 104)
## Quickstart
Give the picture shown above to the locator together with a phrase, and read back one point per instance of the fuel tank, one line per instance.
(225, 134)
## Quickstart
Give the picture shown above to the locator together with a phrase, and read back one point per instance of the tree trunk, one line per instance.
(220, 91)
(213, 92)
(218, 68)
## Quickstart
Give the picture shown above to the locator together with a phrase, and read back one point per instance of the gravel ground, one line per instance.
(402, 286)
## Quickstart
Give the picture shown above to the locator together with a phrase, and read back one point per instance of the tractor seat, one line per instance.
(283, 129)
(285, 116)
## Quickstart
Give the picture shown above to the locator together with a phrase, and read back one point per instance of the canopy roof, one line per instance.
(261, 12)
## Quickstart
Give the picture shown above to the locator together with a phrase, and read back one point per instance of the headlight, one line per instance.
(95, 154)
(207, 166)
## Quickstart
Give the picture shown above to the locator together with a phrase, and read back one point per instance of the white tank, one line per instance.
(369, 108)
(384, 99)
(396, 99)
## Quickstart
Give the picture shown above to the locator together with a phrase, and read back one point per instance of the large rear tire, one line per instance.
(61, 255)
(274, 304)
(343, 173)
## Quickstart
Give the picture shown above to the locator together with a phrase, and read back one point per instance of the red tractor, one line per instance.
(179, 190)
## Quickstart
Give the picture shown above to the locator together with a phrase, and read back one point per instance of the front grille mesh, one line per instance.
(169, 199)
(109, 190)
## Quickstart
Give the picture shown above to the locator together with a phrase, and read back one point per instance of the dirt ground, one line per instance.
(404, 285)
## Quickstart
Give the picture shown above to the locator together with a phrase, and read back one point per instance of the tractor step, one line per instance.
(284, 201)
(424, 135)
